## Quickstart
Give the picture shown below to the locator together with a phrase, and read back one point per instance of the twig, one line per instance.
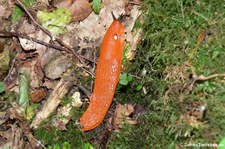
(32, 18)
(84, 90)
(135, 76)
(11, 68)
(203, 78)
(14, 34)
(51, 45)
(49, 34)
(89, 72)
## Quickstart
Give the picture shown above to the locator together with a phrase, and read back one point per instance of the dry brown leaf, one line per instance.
(122, 115)
(80, 9)
(57, 66)
(89, 32)
(3, 117)
(29, 29)
(49, 84)
(23, 125)
(46, 2)
(36, 74)
(13, 137)
(38, 95)
(5, 9)
(45, 54)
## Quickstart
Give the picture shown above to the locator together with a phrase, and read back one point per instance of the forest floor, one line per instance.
(173, 89)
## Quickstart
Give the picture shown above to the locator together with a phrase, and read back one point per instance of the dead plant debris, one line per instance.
(56, 64)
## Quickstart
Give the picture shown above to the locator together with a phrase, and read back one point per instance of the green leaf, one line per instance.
(55, 21)
(123, 76)
(129, 78)
(96, 6)
(36, 105)
(29, 112)
(88, 146)
(222, 144)
(24, 88)
(2, 87)
(123, 82)
(139, 87)
(66, 145)
(24, 92)
(56, 146)
(18, 12)
(125, 79)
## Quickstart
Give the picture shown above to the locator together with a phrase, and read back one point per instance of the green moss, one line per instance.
(52, 136)
(171, 31)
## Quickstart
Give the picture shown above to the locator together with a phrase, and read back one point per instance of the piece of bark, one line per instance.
(52, 103)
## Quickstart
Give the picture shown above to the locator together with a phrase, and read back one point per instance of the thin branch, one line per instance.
(32, 18)
(203, 78)
(51, 45)
(135, 76)
(14, 34)
(49, 34)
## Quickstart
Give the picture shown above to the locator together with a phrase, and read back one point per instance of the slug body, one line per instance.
(107, 76)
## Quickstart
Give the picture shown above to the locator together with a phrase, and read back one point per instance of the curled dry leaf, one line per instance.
(38, 95)
(23, 125)
(122, 115)
(80, 9)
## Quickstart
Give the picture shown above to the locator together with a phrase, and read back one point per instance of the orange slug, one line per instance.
(107, 76)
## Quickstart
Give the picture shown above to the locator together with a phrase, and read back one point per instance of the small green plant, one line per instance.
(88, 146)
(66, 145)
(18, 12)
(139, 87)
(125, 79)
(207, 87)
